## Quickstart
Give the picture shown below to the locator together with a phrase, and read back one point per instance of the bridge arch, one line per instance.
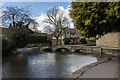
(63, 50)
(48, 49)
(78, 50)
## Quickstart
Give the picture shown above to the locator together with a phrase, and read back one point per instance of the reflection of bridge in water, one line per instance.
(81, 48)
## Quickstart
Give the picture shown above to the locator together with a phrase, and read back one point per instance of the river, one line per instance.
(44, 65)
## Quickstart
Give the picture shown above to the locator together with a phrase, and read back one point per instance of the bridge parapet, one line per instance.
(74, 48)
(81, 48)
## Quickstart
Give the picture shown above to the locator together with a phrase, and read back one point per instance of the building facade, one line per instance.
(70, 33)
(111, 40)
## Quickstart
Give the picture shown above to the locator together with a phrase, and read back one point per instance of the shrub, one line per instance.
(16, 38)
(4, 47)
(66, 41)
(19, 38)
(38, 39)
(83, 41)
(49, 41)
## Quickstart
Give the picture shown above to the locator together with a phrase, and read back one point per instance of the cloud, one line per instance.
(40, 21)
(1, 5)
(66, 14)
(43, 16)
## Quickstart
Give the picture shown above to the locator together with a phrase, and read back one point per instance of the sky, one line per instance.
(38, 10)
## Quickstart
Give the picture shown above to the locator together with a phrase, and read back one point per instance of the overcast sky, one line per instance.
(38, 9)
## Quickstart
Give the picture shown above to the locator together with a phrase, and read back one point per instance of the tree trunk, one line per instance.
(13, 21)
(57, 40)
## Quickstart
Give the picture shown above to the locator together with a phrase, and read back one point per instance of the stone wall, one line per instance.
(111, 40)
(54, 42)
(119, 40)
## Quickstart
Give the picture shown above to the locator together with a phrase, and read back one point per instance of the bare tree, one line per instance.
(34, 24)
(17, 17)
(57, 22)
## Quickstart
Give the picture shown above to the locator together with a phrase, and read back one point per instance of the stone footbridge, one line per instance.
(82, 48)
(73, 48)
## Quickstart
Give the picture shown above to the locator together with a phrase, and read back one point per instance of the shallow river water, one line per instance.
(45, 65)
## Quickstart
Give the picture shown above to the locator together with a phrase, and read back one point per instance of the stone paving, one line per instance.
(104, 70)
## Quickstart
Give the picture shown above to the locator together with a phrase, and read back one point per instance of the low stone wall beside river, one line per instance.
(91, 49)
(114, 51)
(104, 50)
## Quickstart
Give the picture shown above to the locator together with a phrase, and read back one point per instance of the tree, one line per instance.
(83, 41)
(5, 49)
(18, 20)
(67, 41)
(33, 38)
(17, 17)
(13, 39)
(56, 22)
(17, 37)
(95, 18)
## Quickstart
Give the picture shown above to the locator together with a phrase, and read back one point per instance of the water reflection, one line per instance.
(46, 65)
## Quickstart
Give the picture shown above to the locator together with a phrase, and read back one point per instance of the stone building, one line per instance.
(67, 33)
(73, 35)
(111, 40)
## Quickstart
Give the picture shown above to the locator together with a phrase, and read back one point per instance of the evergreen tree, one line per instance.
(95, 18)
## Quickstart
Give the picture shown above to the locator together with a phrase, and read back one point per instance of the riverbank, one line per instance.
(25, 50)
(100, 69)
